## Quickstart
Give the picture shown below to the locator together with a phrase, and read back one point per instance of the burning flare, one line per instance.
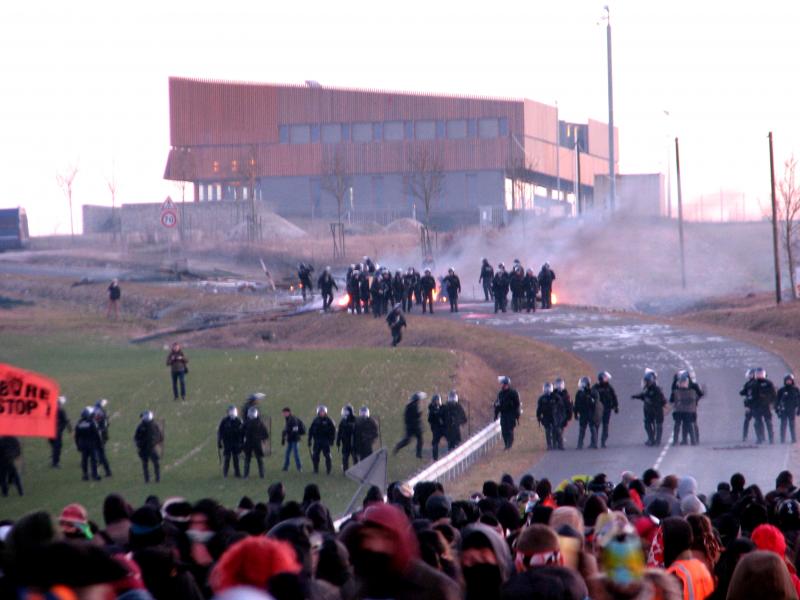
(553, 298)
(344, 300)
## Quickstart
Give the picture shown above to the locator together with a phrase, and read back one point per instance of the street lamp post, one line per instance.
(611, 158)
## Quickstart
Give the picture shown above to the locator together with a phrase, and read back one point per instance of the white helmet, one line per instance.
(322, 409)
(547, 388)
(147, 416)
(233, 411)
(452, 397)
(363, 411)
(252, 412)
(62, 400)
(504, 380)
(559, 384)
(102, 403)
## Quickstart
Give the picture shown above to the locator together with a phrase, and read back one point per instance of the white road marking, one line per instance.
(193, 452)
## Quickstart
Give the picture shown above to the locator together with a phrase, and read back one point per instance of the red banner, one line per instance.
(28, 403)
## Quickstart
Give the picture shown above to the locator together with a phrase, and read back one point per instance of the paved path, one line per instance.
(625, 345)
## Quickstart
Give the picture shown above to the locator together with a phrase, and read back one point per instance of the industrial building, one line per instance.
(291, 147)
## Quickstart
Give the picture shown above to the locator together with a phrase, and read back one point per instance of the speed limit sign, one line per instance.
(169, 219)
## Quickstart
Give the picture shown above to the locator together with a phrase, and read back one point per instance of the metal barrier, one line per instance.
(455, 463)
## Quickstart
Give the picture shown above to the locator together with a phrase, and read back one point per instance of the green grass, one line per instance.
(135, 378)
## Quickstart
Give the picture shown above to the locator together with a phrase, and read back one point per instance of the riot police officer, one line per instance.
(365, 433)
(253, 400)
(229, 440)
(608, 398)
(304, 275)
(788, 406)
(546, 278)
(322, 434)
(396, 321)
(101, 418)
(500, 288)
(364, 290)
(326, 285)
(254, 436)
(485, 279)
(454, 418)
(353, 292)
(654, 402)
(62, 423)
(428, 285)
(147, 437)
(87, 440)
(747, 393)
(684, 398)
(764, 397)
(453, 287)
(548, 414)
(436, 421)
(412, 420)
(530, 286)
(588, 412)
(345, 436)
(10, 451)
(565, 410)
(517, 286)
(409, 282)
(507, 408)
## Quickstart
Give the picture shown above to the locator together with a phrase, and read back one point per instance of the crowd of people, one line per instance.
(638, 538)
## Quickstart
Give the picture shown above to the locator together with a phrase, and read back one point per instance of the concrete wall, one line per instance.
(97, 219)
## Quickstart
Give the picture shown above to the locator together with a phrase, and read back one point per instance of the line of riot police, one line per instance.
(760, 396)
(525, 286)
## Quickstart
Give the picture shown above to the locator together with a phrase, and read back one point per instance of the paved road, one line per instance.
(625, 345)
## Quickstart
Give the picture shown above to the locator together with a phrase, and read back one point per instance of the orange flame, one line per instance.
(554, 298)
(344, 300)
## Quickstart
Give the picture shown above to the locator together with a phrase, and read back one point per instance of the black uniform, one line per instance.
(654, 402)
(747, 393)
(229, 438)
(436, 419)
(412, 419)
(326, 285)
(363, 282)
(62, 423)
(147, 438)
(354, 293)
(548, 414)
(254, 435)
(684, 414)
(546, 278)
(322, 434)
(608, 398)
(345, 440)
(500, 290)
(396, 322)
(517, 285)
(453, 285)
(564, 414)
(376, 292)
(764, 397)
(409, 283)
(364, 436)
(454, 418)
(507, 408)
(487, 273)
(101, 418)
(530, 286)
(10, 451)
(788, 407)
(589, 413)
(87, 439)
(399, 288)
(428, 285)
(304, 275)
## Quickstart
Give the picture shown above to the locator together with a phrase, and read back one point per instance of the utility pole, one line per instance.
(611, 170)
(669, 170)
(774, 224)
(578, 202)
(680, 213)
(558, 156)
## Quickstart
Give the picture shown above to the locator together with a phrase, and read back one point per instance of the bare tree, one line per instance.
(426, 178)
(520, 172)
(111, 182)
(336, 180)
(789, 214)
(65, 181)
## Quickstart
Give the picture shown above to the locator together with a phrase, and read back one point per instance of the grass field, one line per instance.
(135, 378)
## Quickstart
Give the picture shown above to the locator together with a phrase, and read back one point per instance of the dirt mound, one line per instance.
(274, 226)
(403, 226)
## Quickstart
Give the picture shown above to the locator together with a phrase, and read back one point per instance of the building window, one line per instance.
(345, 132)
(393, 131)
(331, 133)
(457, 129)
(283, 133)
(299, 134)
(472, 128)
(409, 130)
(314, 133)
(362, 132)
(503, 127)
(488, 128)
(440, 130)
(377, 131)
(425, 130)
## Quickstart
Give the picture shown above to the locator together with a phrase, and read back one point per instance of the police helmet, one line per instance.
(256, 397)
(529, 272)
(322, 409)
(410, 271)
(692, 374)
(750, 374)
(147, 415)
(584, 383)
(484, 259)
(501, 265)
(452, 397)
(347, 410)
(788, 377)
(62, 400)
(649, 377)
(365, 258)
(363, 411)
(398, 272)
(683, 379)
(87, 412)
(436, 400)
(451, 270)
(546, 265)
(352, 266)
(418, 396)
(604, 376)
(427, 271)
(356, 272)
(504, 380)
(547, 388)
(252, 412)
(328, 269)
(102, 403)
(397, 306)
(761, 373)
(559, 384)
(789, 513)
(233, 411)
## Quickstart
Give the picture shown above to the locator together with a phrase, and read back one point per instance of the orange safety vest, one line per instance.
(696, 581)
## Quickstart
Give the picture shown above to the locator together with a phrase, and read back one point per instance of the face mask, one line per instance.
(483, 581)
(199, 536)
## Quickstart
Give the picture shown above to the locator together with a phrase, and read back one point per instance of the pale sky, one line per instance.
(86, 82)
